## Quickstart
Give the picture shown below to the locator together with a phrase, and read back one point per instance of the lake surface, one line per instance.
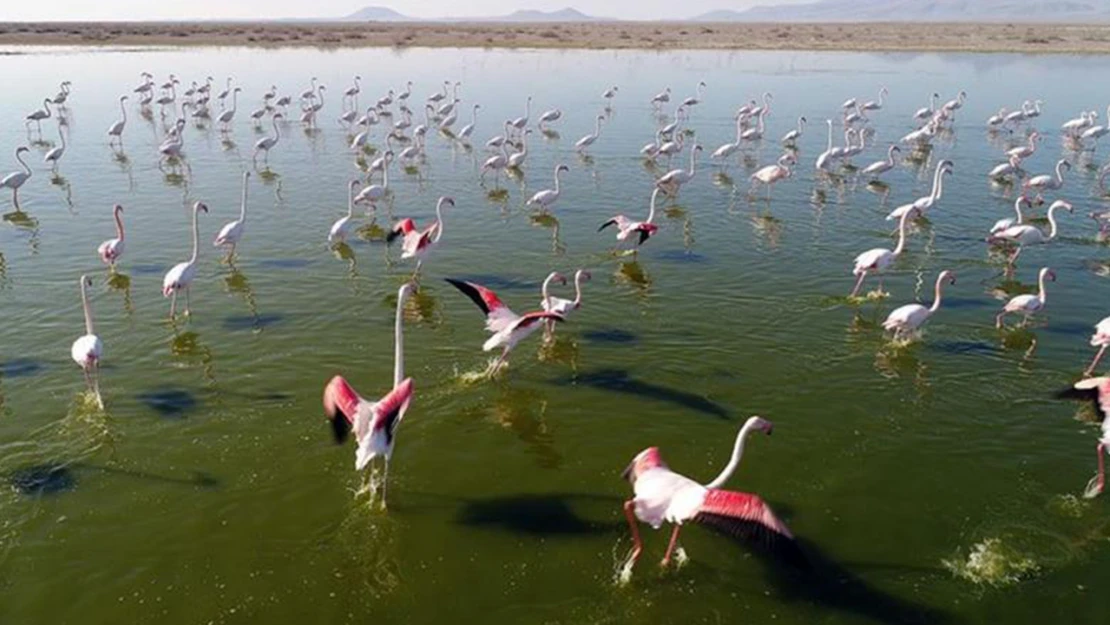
(935, 483)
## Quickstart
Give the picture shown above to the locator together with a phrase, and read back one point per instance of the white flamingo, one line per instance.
(771, 175)
(546, 198)
(1027, 305)
(87, 351)
(879, 259)
(906, 320)
(588, 140)
(1024, 234)
(672, 181)
(921, 205)
(111, 250)
(180, 277)
(792, 137)
(232, 232)
(17, 179)
(115, 131)
(342, 226)
(265, 144)
(878, 168)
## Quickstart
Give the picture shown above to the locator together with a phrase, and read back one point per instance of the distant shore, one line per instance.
(870, 37)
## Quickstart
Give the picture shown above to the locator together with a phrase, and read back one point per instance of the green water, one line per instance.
(936, 483)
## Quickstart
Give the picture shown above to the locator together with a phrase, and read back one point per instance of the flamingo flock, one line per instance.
(660, 495)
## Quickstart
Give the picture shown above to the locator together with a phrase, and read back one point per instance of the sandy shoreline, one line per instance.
(1026, 38)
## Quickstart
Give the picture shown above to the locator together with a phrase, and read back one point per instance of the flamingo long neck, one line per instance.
(234, 100)
(385, 173)
(936, 183)
(46, 103)
(439, 220)
(577, 289)
(762, 114)
(119, 224)
(85, 306)
(196, 236)
(123, 111)
(399, 340)
(557, 172)
(933, 102)
(474, 116)
(890, 156)
(737, 453)
(693, 161)
(882, 96)
(277, 130)
(651, 211)
(1052, 222)
(902, 233)
(1017, 209)
(801, 124)
(739, 127)
(527, 108)
(829, 147)
(597, 127)
(243, 203)
(1060, 172)
(544, 291)
(19, 157)
(1041, 294)
(524, 144)
(937, 291)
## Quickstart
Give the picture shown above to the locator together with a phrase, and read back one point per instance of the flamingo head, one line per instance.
(122, 98)
(21, 149)
(1064, 204)
(119, 209)
(582, 274)
(86, 281)
(946, 276)
(561, 168)
(446, 201)
(199, 206)
(697, 148)
(759, 424)
(644, 461)
(278, 116)
(1049, 274)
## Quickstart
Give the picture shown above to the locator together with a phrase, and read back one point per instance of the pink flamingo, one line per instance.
(770, 175)
(417, 243)
(1098, 391)
(110, 250)
(627, 227)
(663, 495)
(374, 423)
(879, 259)
(906, 320)
(1101, 340)
(508, 328)
(565, 306)
(1027, 305)
(181, 276)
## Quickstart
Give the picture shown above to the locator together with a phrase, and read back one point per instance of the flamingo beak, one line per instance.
(627, 473)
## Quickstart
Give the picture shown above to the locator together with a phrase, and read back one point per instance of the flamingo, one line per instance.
(1011, 167)
(726, 150)
(872, 105)
(925, 113)
(63, 94)
(404, 95)
(1027, 305)
(307, 94)
(792, 137)
(111, 250)
(1073, 127)
(436, 97)
(546, 198)
(850, 103)
(221, 96)
(180, 278)
(147, 84)
(508, 328)
(418, 243)
(696, 99)
(919, 206)
(661, 98)
(468, 129)
(878, 168)
(265, 144)
(88, 350)
(550, 116)
(643, 229)
(372, 194)
(116, 130)
(1004, 224)
(54, 155)
(906, 320)
(1096, 390)
(1047, 182)
(448, 108)
(772, 174)
(374, 423)
(565, 306)
(755, 111)
(1024, 234)
(495, 164)
(172, 146)
(588, 140)
(823, 160)
(353, 91)
(1101, 340)
(1025, 151)
(609, 94)
(877, 260)
(954, 105)
(999, 118)
(342, 226)
(755, 134)
(39, 115)
(516, 159)
(673, 180)
(661, 495)
(226, 116)
(670, 128)
(16, 179)
(232, 232)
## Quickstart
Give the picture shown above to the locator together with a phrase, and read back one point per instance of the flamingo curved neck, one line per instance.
(1041, 294)
(439, 220)
(123, 111)
(829, 146)
(19, 157)
(902, 233)
(544, 291)
(737, 453)
(1060, 172)
(243, 203)
(937, 294)
(351, 202)
(577, 289)
(119, 225)
(557, 172)
(1052, 222)
(1017, 209)
(936, 183)
(651, 211)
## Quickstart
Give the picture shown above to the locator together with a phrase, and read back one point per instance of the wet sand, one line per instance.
(1029, 38)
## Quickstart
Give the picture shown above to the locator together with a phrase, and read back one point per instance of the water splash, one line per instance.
(993, 562)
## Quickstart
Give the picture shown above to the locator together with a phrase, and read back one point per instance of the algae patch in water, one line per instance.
(991, 562)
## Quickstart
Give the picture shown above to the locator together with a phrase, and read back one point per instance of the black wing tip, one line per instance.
(1071, 392)
(644, 236)
(340, 427)
(392, 236)
(607, 224)
(468, 289)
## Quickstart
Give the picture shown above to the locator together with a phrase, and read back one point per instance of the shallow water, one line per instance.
(210, 491)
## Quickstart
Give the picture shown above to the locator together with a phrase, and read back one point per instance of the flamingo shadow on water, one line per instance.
(55, 478)
(170, 402)
(547, 515)
(620, 381)
(523, 412)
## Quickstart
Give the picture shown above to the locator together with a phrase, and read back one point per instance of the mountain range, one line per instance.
(1071, 11)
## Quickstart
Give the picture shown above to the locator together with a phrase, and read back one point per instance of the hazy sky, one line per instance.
(20, 10)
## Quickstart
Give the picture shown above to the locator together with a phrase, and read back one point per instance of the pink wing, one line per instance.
(404, 226)
(1093, 389)
(390, 409)
(748, 517)
(341, 400)
(498, 315)
(529, 319)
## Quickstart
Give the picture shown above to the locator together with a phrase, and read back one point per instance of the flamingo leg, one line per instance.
(173, 304)
(637, 544)
(187, 308)
(1096, 485)
(1094, 363)
(671, 546)
(500, 361)
(385, 480)
(998, 319)
(96, 384)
